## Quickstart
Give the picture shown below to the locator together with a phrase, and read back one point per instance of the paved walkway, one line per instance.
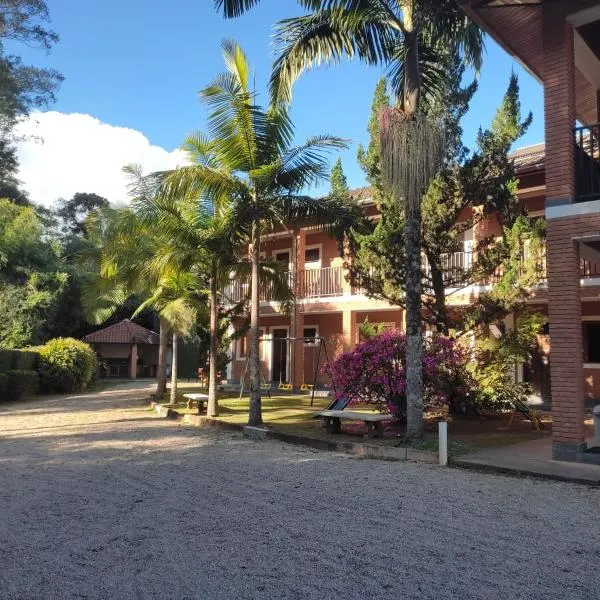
(99, 500)
(532, 458)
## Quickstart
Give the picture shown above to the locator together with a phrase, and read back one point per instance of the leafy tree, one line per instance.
(74, 212)
(481, 184)
(338, 182)
(22, 87)
(417, 40)
(36, 291)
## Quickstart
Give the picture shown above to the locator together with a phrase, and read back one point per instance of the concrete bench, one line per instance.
(200, 399)
(333, 420)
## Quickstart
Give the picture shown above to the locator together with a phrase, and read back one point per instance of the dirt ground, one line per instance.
(100, 500)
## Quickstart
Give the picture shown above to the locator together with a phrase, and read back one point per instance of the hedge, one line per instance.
(20, 383)
(3, 386)
(66, 365)
(20, 360)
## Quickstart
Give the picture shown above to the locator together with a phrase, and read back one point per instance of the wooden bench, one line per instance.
(333, 420)
(200, 399)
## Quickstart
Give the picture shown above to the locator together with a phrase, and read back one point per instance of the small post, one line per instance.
(443, 442)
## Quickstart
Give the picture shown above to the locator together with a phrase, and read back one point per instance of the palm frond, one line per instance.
(326, 36)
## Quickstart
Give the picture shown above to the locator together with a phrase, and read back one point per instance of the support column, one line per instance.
(297, 317)
(133, 361)
(297, 347)
(559, 104)
(564, 300)
(566, 343)
(349, 330)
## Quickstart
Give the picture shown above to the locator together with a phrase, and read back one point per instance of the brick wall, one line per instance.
(559, 102)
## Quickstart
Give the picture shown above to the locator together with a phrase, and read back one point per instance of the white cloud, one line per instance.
(78, 153)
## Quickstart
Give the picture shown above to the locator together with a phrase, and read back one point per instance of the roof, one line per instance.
(362, 195)
(124, 332)
(529, 157)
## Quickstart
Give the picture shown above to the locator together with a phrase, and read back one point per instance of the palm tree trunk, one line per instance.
(174, 371)
(414, 334)
(213, 405)
(161, 375)
(255, 413)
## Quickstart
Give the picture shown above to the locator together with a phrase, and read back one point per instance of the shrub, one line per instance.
(374, 371)
(20, 383)
(22, 360)
(6, 360)
(25, 360)
(66, 365)
(3, 387)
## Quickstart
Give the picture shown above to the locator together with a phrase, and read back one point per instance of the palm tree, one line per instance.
(256, 168)
(197, 247)
(415, 39)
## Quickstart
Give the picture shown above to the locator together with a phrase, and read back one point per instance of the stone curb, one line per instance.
(361, 450)
(457, 463)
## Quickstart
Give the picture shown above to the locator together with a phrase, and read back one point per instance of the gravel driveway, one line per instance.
(98, 499)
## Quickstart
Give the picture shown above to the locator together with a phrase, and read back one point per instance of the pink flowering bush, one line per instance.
(374, 372)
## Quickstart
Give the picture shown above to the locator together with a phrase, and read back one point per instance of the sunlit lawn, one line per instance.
(293, 414)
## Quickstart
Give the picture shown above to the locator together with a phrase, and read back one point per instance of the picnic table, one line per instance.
(333, 420)
(200, 399)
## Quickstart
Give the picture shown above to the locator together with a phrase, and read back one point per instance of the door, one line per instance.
(279, 355)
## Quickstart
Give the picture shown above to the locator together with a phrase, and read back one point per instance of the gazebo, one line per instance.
(127, 349)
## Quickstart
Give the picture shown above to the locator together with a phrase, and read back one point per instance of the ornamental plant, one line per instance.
(375, 372)
(66, 365)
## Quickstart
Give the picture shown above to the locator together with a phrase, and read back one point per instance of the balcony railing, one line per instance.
(239, 289)
(320, 283)
(329, 281)
(587, 162)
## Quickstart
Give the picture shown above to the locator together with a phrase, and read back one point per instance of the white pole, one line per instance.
(443, 442)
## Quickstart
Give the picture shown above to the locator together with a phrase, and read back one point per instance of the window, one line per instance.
(283, 257)
(312, 254)
(591, 336)
(313, 334)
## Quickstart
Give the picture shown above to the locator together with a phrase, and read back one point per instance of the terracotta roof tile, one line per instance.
(529, 157)
(124, 332)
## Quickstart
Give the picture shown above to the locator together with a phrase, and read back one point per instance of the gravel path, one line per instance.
(98, 499)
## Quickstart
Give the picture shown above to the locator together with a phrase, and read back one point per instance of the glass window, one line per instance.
(313, 335)
(592, 339)
(312, 255)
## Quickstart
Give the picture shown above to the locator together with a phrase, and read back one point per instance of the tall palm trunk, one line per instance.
(161, 375)
(213, 405)
(174, 370)
(412, 241)
(255, 413)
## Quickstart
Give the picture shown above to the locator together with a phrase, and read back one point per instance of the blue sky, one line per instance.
(140, 64)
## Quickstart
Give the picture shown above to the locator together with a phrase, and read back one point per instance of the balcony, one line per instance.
(321, 283)
(312, 283)
(587, 162)
(330, 281)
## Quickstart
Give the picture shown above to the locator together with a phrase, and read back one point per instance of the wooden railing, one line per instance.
(329, 281)
(321, 283)
(587, 162)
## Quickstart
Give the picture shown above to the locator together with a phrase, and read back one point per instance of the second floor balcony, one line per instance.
(331, 282)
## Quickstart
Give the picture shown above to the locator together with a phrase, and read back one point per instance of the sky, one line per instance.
(133, 69)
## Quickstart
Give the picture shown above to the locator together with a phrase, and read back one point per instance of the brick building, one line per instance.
(558, 42)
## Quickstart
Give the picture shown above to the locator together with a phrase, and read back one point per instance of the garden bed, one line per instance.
(293, 414)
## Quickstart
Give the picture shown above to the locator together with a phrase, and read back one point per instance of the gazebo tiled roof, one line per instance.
(124, 332)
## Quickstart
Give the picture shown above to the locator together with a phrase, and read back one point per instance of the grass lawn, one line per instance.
(293, 414)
